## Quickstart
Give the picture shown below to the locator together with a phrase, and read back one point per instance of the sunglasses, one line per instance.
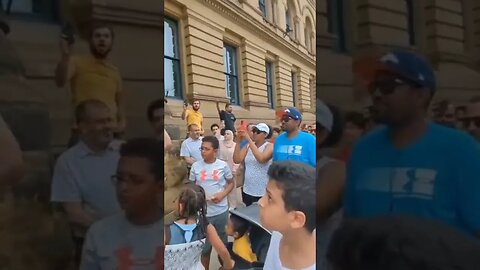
(468, 121)
(388, 87)
(256, 131)
(286, 118)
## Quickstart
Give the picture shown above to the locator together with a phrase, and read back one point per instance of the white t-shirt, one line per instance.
(191, 148)
(273, 256)
(213, 178)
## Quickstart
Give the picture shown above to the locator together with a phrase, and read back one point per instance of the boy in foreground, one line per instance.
(134, 238)
(288, 210)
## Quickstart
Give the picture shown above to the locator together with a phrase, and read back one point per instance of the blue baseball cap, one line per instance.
(293, 113)
(409, 66)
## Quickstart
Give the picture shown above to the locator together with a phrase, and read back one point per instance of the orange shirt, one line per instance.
(195, 117)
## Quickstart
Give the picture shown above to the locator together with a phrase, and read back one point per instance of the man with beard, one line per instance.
(294, 144)
(193, 117)
(227, 117)
(82, 176)
(92, 76)
(410, 165)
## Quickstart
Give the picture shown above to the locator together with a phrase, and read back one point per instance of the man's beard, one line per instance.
(98, 54)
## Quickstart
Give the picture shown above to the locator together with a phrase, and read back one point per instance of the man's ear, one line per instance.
(298, 220)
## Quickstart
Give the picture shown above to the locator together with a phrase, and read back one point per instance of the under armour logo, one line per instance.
(126, 262)
(203, 175)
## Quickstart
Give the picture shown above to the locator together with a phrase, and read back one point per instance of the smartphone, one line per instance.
(243, 125)
(68, 33)
(185, 102)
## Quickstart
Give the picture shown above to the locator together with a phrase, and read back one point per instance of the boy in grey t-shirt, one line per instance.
(133, 239)
(216, 178)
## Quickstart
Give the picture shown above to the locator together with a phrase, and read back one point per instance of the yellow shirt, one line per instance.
(243, 248)
(195, 117)
(95, 79)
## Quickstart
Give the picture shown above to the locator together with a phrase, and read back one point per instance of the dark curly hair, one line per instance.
(401, 243)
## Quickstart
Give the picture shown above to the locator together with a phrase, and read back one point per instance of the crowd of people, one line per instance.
(112, 194)
(240, 165)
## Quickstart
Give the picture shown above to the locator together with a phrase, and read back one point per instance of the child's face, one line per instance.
(229, 228)
(208, 153)
(137, 187)
(273, 214)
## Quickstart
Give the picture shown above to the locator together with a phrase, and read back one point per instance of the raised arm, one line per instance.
(65, 69)
(185, 112)
(259, 156)
(239, 154)
(219, 246)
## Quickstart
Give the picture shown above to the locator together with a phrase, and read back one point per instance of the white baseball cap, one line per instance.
(324, 115)
(263, 127)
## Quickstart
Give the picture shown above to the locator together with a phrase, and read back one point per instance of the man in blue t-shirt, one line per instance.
(410, 165)
(294, 144)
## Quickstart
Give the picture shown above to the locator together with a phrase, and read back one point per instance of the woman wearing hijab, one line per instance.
(227, 147)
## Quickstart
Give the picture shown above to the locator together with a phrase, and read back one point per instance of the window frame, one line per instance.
(294, 87)
(47, 14)
(234, 49)
(269, 70)
(262, 3)
(177, 72)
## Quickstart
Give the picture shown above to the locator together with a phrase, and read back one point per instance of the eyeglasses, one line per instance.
(286, 118)
(387, 87)
(256, 131)
(130, 180)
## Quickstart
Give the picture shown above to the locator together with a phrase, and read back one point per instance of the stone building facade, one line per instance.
(446, 32)
(35, 33)
(239, 51)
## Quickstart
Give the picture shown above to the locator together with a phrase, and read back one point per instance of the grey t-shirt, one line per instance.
(114, 243)
(213, 178)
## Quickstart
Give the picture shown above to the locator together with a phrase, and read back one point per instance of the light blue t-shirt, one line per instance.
(301, 148)
(213, 178)
(436, 177)
(115, 243)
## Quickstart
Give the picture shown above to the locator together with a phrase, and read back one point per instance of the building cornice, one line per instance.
(235, 13)
(120, 14)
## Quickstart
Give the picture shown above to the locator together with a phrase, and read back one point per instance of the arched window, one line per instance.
(309, 34)
(290, 15)
(336, 26)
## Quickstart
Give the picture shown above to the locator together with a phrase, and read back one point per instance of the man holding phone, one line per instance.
(92, 77)
(194, 116)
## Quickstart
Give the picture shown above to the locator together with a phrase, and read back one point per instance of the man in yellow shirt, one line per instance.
(93, 77)
(193, 116)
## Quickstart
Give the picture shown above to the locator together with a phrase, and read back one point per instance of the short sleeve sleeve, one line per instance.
(184, 152)
(192, 176)
(228, 173)
(64, 186)
(90, 258)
